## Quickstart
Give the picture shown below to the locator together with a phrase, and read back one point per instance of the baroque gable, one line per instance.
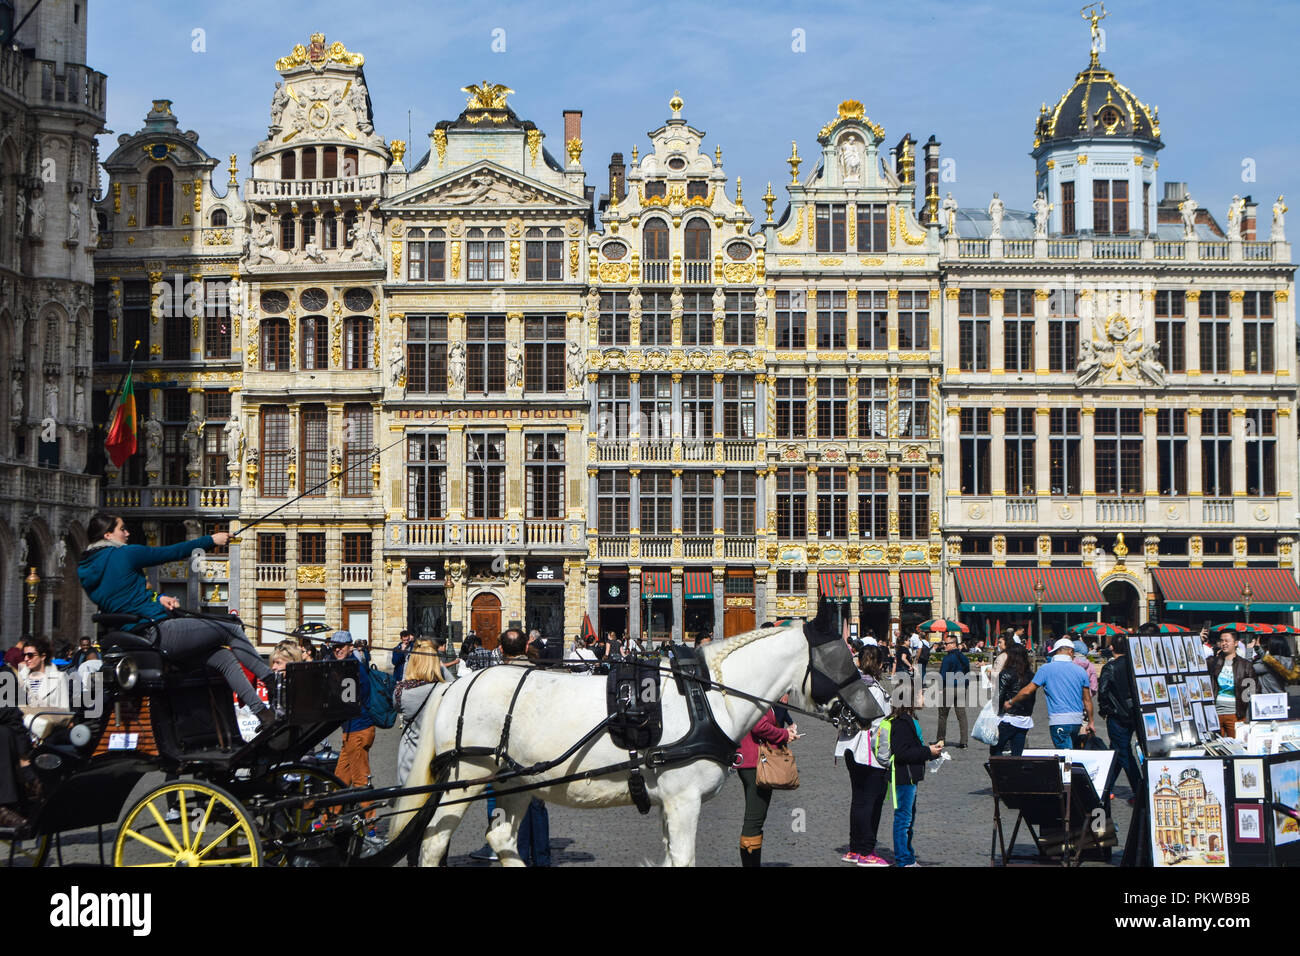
(484, 184)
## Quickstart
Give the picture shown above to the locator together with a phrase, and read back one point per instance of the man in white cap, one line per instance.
(1069, 696)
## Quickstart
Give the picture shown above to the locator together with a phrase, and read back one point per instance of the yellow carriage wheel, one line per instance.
(25, 854)
(211, 828)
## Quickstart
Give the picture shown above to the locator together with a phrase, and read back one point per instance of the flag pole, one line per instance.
(117, 392)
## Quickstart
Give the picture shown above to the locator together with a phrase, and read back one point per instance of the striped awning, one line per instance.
(1012, 589)
(656, 584)
(875, 587)
(833, 585)
(697, 584)
(916, 586)
(1219, 589)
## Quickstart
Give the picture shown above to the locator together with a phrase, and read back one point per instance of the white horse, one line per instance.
(555, 710)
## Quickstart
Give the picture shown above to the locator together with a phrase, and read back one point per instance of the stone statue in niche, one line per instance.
(16, 404)
(456, 365)
(397, 363)
(514, 364)
(74, 218)
(574, 361)
(851, 159)
(153, 435)
(234, 442)
(36, 223)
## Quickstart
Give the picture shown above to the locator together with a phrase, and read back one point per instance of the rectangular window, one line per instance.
(832, 321)
(873, 408)
(1215, 326)
(1065, 437)
(973, 330)
(1063, 331)
(873, 503)
(1118, 451)
(1018, 330)
(739, 502)
(426, 255)
(913, 408)
(613, 328)
(356, 342)
(1216, 452)
(656, 318)
(485, 475)
(314, 350)
(426, 354)
(311, 547)
(1261, 452)
(738, 407)
(656, 500)
(697, 318)
(791, 502)
(873, 321)
(1171, 451)
(1110, 207)
(1020, 447)
(697, 502)
(1067, 209)
(833, 503)
(613, 494)
(275, 451)
(831, 227)
(832, 408)
(791, 408)
(315, 448)
(976, 440)
(791, 317)
(738, 326)
(275, 345)
(544, 341)
(358, 547)
(697, 407)
(872, 233)
(270, 548)
(792, 582)
(913, 503)
(216, 319)
(544, 475)
(1257, 328)
(426, 476)
(613, 407)
(358, 443)
(543, 255)
(485, 336)
(1171, 330)
(913, 321)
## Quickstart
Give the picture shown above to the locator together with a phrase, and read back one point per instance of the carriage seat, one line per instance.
(121, 639)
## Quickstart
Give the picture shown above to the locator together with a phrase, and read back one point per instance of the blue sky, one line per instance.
(973, 74)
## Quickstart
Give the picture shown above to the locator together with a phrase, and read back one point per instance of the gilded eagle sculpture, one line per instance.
(487, 96)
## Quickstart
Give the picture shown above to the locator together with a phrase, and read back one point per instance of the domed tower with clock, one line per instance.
(1095, 152)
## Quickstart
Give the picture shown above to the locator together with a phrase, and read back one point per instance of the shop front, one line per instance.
(990, 599)
(544, 599)
(426, 599)
(697, 606)
(873, 609)
(916, 598)
(656, 606)
(612, 601)
(833, 597)
(738, 601)
(1192, 596)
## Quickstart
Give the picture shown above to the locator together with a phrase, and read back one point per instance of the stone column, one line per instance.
(634, 601)
(719, 601)
(1286, 459)
(1087, 451)
(811, 407)
(1150, 454)
(678, 604)
(998, 460)
(996, 337)
(1041, 307)
(893, 502)
(455, 471)
(1192, 325)
(811, 498)
(949, 322)
(634, 410)
(810, 321)
(1284, 318)
(760, 406)
(952, 453)
(1194, 453)
(1043, 450)
(851, 320)
(455, 336)
(1236, 334)
(1238, 452)
(891, 321)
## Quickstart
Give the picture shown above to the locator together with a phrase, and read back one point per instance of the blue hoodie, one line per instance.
(113, 575)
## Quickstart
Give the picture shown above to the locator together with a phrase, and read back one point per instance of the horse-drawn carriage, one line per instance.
(217, 804)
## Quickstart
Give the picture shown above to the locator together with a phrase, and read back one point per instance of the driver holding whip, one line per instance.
(112, 574)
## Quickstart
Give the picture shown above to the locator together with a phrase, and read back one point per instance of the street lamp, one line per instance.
(1039, 591)
(1246, 595)
(33, 583)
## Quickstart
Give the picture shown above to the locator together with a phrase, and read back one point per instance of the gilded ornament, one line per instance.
(574, 148)
(398, 148)
(455, 261)
(440, 144)
(534, 139)
(908, 238)
(397, 260)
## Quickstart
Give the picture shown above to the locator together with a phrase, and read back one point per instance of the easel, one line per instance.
(1057, 811)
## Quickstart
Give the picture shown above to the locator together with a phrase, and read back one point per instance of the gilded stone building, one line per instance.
(1119, 390)
(483, 377)
(852, 459)
(169, 247)
(51, 108)
(677, 325)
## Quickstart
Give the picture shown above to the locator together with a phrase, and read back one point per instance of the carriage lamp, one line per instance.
(1246, 595)
(33, 582)
(1039, 591)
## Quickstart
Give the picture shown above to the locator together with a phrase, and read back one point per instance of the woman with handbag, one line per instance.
(761, 745)
(868, 777)
(1014, 724)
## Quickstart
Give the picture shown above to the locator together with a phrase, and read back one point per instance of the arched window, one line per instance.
(697, 240)
(351, 163)
(275, 345)
(52, 340)
(159, 187)
(219, 217)
(288, 165)
(309, 162)
(331, 163)
(654, 238)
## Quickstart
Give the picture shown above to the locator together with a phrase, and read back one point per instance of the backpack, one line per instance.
(883, 752)
(924, 654)
(382, 709)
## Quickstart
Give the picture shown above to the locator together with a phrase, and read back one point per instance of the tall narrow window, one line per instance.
(356, 342)
(1215, 326)
(309, 162)
(832, 321)
(544, 474)
(358, 443)
(160, 198)
(485, 474)
(1257, 327)
(697, 407)
(832, 408)
(872, 234)
(1019, 460)
(216, 319)
(913, 503)
(315, 449)
(613, 494)
(656, 318)
(833, 503)
(1118, 444)
(738, 326)
(1216, 452)
(831, 231)
(1064, 436)
(1063, 331)
(739, 502)
(314, 349)
(656, 501)
(654, 250)
(697, 503)
(475, 255)
(613, 328)
(1018, 330)
(913, 321)
(791, 502)
(873, 321)
(275, 451)
(738, 407)
(613, 407)
(913, 408)
(496, 255)
(791, 311)
(873, 503)
(426, 476)
(697, 249)
(697, 318)
(1261, 452)
(288, 232)
(275, 345)
(1067, 209)
(288, 165)
(873, 408)
(330, 163)
(486, 353)
(1171, 330)
(544, 339)
(976, 440)
(973, 330)
(791, 408)
(1171, 451)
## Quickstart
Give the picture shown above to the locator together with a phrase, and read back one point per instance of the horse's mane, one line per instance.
(715, 656)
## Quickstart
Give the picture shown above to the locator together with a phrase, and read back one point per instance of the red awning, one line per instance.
(916, 586)
(697, 584)
(656, 584)
(1012, 589)
(833, 584)
(1219, 589)
(875, 586)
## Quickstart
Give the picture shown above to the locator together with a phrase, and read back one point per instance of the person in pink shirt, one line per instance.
(1090, 667)
(757, 799)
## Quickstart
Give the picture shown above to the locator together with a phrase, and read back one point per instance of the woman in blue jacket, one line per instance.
(112, 574)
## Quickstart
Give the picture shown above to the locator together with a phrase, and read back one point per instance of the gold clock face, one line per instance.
(318, 114)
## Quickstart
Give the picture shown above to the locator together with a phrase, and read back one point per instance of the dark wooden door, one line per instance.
(485, 619)
(737, 620)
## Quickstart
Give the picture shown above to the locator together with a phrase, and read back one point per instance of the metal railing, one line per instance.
(1121, 510)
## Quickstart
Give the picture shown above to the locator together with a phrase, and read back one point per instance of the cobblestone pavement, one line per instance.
(805, 827)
